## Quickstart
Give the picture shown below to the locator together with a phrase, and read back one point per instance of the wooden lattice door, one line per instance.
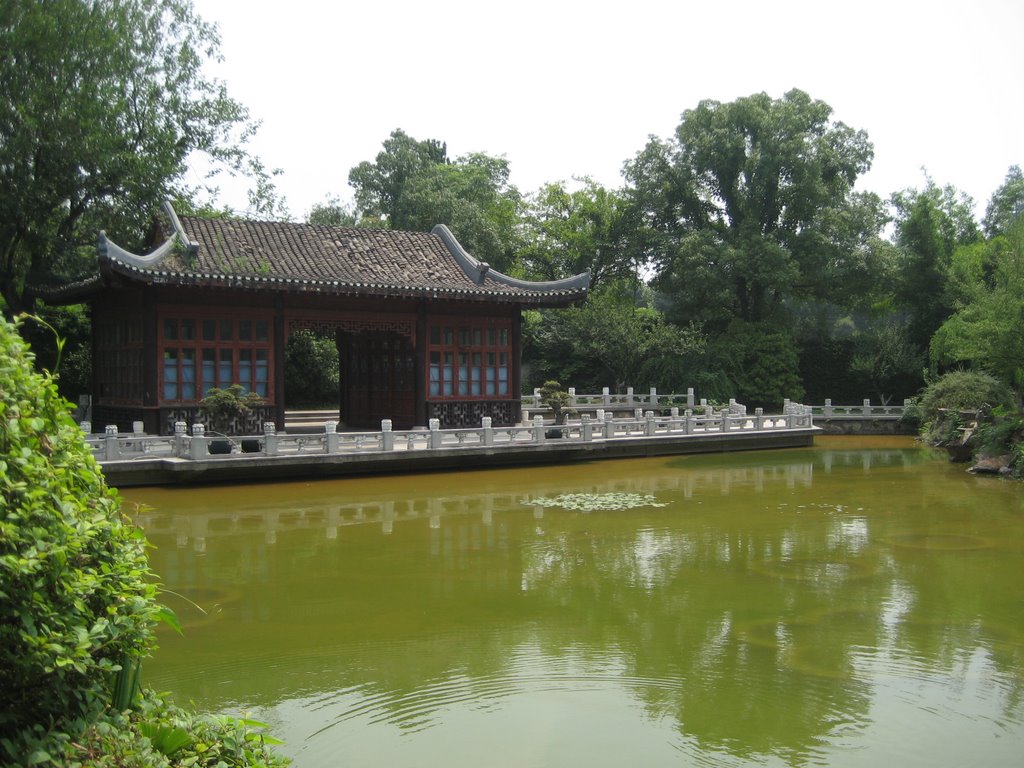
(377, 379)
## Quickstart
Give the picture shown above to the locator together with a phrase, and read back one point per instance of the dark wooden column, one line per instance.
(150, 364)
(421, 364)
(517, 359)
(279, 342)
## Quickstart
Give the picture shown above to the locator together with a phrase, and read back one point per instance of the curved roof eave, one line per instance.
(478, 270)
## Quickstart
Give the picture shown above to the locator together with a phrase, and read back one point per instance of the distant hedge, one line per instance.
(75, 585)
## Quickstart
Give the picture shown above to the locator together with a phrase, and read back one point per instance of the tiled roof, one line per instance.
(339, 260)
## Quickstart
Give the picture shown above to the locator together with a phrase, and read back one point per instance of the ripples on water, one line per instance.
(840, 606)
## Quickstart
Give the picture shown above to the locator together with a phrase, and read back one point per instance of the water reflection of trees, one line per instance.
(753, 611)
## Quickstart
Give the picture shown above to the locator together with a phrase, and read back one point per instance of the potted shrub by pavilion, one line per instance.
(221, 408)
(557, 399)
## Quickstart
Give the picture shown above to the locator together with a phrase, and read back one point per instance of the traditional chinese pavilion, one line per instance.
(424, 329)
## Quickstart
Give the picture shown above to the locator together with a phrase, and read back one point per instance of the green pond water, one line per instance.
(858, 603)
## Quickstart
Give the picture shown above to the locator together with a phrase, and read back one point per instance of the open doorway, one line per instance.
(311, 371)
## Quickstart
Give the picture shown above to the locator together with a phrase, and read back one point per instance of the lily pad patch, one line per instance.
(593, 502)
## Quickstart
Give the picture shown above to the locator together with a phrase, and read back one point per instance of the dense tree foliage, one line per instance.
(749, 206)
(568, 232)
(1006, 204)
(930, 224)
(311, 370)
(332, 213)
(610, 342)
(413, 185)
(102, 103)
(986, 329)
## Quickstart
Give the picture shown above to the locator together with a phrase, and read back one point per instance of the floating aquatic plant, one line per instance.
(592, 502)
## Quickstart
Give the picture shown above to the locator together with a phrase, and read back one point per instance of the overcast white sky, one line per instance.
(564, 88)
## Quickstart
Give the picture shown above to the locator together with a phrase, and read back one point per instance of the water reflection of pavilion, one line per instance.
(198, 525)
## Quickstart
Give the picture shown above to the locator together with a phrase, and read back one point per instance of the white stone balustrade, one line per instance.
(648, 423)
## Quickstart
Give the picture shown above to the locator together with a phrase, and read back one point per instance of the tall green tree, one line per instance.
(930, 224)
(567, 232)
(985, 328)
(413, 185)
(1006, 204)
(102, 103)
(748, 206)
(380, 186)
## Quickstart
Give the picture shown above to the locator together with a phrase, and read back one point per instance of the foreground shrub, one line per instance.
(78, 602)
(157, 734)
(74, 579)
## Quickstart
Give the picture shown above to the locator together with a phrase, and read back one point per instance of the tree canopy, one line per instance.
(985, 328)
(102, 103)
(570, 231)
(414, 185)
(748, 204)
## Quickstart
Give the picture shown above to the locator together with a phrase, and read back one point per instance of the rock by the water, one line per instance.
(991, 465)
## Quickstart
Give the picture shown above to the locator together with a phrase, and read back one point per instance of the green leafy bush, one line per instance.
(159, 734)
(76, 587)
(79, 605)
(223, 408)
(554, 397)
(942, 401)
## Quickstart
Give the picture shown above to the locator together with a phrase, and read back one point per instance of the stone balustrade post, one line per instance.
(827, 410)
(867, 409)
(387, 435)
(435, 433)
(332, 440)
(654, 397)
(525, 418)
(111, 445)
(689, 398)
(538, 429)
(609, 424)
(572, 396)
(704, 406)
(180, 438)
(270, 438)
(688, 423)
(725, 418)
(759, 419)
(649, 424)
(486, 424)
(629, 396)
(606, 396)
(138, 428)
(586, 428)
(197, 447)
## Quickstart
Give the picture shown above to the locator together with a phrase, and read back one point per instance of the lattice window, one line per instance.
(201, 352)
(468, 360)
